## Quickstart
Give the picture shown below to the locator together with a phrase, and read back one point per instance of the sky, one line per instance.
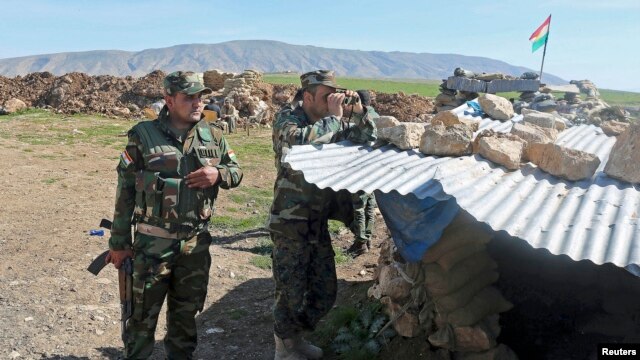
(597, 40)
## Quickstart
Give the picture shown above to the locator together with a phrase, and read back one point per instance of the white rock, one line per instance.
(14, 355)
(442, 141)
(13, 105)
(215, 330)
(405, 136)
(563, 162)
(624, 160)
(496, 107)
(502, 150)
(385, 121)
(27, 319)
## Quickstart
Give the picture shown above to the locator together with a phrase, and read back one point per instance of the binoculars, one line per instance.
(348, 100)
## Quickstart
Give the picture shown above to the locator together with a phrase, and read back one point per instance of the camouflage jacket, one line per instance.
(296, 201)
(168, 162)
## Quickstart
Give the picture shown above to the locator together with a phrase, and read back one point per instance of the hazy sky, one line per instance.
(589, 39)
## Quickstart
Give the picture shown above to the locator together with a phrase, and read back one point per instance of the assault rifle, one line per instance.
(124, 282)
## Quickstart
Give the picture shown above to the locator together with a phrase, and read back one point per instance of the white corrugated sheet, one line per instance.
(594, 219)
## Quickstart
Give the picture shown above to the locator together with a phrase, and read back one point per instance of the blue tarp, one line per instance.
(415, 224)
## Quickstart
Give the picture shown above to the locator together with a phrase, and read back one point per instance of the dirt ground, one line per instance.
(52, 308)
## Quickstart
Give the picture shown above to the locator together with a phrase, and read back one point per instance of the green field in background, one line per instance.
(430, 88)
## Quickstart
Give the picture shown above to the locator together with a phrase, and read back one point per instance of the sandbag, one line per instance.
(487, 302)
(450, 259)
(465, 294)
(440, 282)
(463, 230)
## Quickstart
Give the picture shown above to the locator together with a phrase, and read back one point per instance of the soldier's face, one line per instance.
(185, 108)
(318, 104)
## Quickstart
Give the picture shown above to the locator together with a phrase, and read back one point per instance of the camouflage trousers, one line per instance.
(304, 271)
(179, 271)
(364, 216)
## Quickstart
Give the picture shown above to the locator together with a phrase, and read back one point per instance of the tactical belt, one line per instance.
(156, 231)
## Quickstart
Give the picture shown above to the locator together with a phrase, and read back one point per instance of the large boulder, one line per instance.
(502, 149)
(543, 119)
(560, 161)
(624, 159)
(385, 121)
(13, 105)
(614, 128)
(496, 107)
(405, 136)
(534, 134)
(454, 140)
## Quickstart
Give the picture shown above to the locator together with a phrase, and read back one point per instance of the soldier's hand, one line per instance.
(203, 178)
(334, 104)
(357, 107)
(116, 257)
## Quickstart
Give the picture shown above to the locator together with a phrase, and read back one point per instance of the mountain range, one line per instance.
(262, 55)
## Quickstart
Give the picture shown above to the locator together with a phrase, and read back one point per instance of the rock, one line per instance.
(121, 111)
(99, 332)
(542, 119)
(441, 141)
(14, 355)
(13, 105)
(374, 292)
(625, 156)
(614, 128)
(215, 330)
(563, 162)
(392, 284)
(496, 107)
(385, 121)
(405, 136)
(104, 281)
(448, 118)
(27, 319)
(232, 275)
(534, 134)
(503, 150)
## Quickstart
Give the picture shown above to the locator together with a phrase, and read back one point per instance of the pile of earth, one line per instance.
(126, 96)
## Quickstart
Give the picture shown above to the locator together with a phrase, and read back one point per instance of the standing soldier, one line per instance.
(229, 114)
(303, 258)
(168, 180)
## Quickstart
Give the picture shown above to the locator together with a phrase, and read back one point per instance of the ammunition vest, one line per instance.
(162, 197)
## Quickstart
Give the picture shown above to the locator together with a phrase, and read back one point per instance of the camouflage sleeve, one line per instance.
(131, 160)
(326, 130)
(229, 169)
(363, 128)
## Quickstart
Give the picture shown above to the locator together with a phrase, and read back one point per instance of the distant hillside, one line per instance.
(262, 55)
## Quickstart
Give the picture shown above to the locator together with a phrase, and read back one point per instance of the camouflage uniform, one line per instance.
(229, 114)
(171, 246)
(303, 258)
(364, 205)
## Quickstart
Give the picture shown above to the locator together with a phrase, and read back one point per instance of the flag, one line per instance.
(539, 37)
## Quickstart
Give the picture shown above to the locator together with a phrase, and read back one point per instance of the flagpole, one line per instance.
(544, 52)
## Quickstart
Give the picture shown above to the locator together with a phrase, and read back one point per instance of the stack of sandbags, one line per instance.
(459, 274)
(448, 296)
(214, 79)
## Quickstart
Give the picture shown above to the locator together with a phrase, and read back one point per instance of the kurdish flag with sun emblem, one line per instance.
(539, 37)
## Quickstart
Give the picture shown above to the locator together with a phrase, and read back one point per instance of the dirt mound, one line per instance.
(403, 107)
(116, 96)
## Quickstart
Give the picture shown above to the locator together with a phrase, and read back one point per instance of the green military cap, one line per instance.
(186, 82)
(319, 77)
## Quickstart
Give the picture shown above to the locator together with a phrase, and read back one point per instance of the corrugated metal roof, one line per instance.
(594, 219)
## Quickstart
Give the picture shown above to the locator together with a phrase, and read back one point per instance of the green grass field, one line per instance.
(430, 88)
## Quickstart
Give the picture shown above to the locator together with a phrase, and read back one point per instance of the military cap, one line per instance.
(186, 82)
(319, 77)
